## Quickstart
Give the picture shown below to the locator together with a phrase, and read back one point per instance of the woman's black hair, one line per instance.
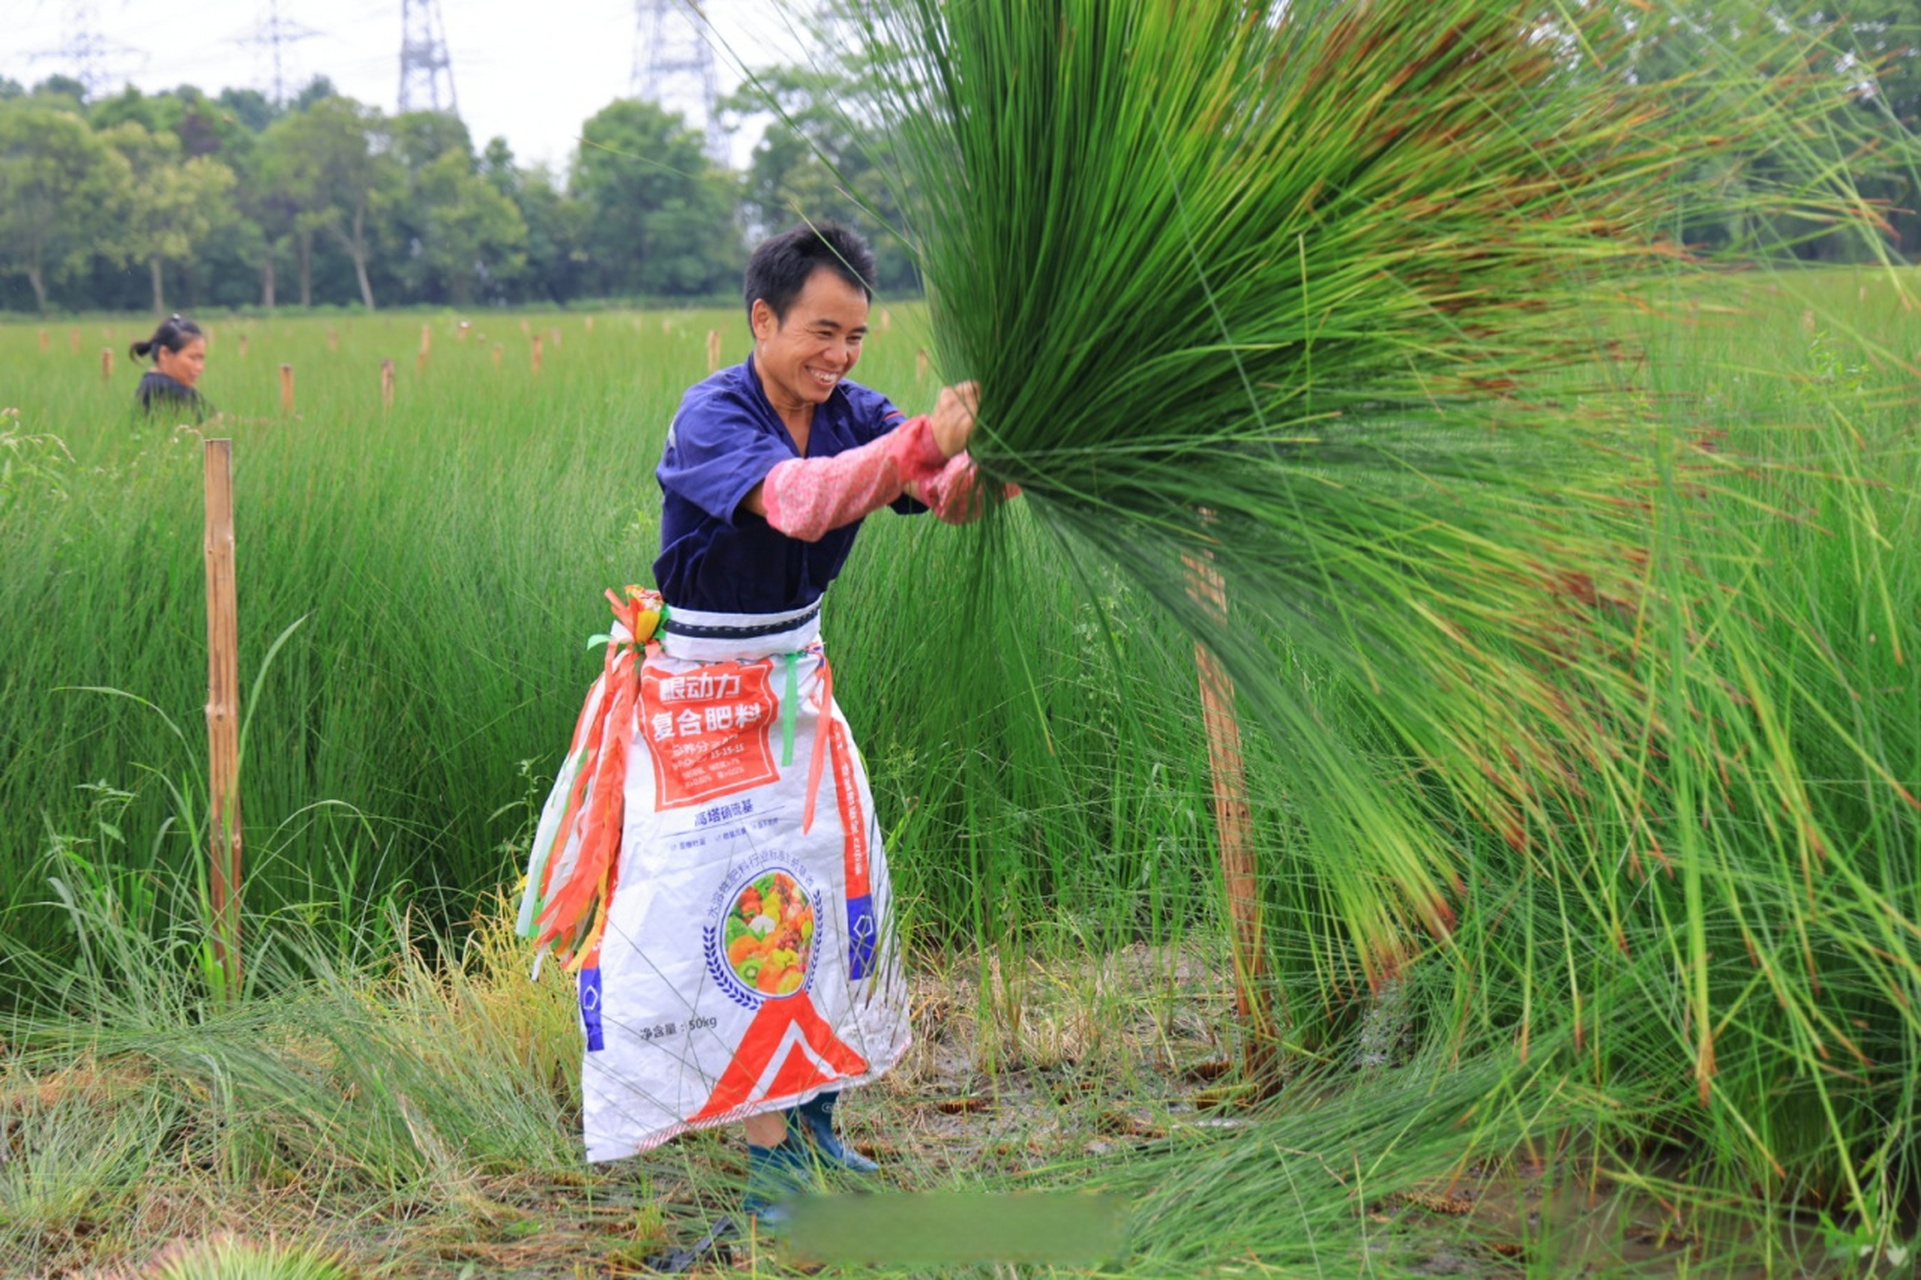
(174, 333)
(781, 267)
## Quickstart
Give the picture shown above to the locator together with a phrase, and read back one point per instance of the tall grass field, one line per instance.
(1530, 1092)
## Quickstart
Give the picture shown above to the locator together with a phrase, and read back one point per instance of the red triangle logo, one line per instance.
(789, 1041)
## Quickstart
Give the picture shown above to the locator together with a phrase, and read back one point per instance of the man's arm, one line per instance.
(954, 495)
(806, 497)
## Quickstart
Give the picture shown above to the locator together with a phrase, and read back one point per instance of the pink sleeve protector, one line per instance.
(806, 497)
(952, 495)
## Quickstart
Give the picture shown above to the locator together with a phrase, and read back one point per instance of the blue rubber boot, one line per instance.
(816, 1116)
(775, 1174)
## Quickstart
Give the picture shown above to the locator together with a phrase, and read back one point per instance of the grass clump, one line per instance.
(235, 1259)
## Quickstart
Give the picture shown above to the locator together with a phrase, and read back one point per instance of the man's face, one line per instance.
(803, 358)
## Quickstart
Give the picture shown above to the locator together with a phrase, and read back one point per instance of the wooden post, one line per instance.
(387, 383)
(106, 364)
(553, 336)
(1234, 827)
(286, 388)
(333, 340)
(536, 353)
(73, 341)
(713, 350)
(45, 340)
(886, 319)
(590, 324)
(223, 719)
(462, 329)
(920, 366)
(426, 348)
(499, 351)
(526, 327)
(243, 346)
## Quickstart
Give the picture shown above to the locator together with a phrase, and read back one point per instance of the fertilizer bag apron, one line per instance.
(710, 866)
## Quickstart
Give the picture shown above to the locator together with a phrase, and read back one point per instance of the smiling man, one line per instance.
(759, 507)
(741, 964)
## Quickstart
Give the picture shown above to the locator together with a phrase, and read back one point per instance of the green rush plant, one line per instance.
(1587, 691)
(447, 556)
(1039, 763)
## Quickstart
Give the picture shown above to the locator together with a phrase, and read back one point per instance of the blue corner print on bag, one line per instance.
(590, 1009)
(861, 934)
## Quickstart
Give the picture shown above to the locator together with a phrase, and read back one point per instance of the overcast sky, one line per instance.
(531, 72)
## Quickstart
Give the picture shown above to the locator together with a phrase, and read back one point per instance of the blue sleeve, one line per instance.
(716, 453)
(875, 415)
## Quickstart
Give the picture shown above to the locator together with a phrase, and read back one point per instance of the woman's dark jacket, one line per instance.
(158, 393)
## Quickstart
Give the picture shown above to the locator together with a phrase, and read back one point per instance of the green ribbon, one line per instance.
(789, 710)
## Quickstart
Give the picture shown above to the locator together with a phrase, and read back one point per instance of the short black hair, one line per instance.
(782, 265)
(174, 333)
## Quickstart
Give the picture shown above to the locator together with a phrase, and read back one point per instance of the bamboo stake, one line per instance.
(106, 364)
(713, 350)
(536, 357)
(387, 383)
(286, 388)
(223, 718)
(1233, 825)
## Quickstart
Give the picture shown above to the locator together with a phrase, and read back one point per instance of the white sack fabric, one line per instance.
(709, 863)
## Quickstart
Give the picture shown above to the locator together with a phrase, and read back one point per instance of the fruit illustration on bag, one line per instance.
(770, 934)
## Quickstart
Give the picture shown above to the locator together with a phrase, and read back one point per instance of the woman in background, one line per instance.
(179, 352)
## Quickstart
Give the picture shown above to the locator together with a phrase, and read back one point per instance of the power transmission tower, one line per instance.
(674, 67)
(83, 50)
(274, 33)
(426, 70)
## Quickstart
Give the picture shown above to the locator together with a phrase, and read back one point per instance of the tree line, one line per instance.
(181, 199)
(188, 200)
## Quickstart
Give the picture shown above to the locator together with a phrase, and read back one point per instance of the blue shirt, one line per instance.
(726, 437)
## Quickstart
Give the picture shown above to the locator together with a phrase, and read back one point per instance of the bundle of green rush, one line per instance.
(1320, 303)
(1317, 293)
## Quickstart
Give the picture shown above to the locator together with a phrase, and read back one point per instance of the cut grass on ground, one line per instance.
(420, 1119)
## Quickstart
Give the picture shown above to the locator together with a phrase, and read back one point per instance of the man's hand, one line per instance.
(953, 417)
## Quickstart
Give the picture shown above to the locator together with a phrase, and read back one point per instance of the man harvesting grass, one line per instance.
(709, 861)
